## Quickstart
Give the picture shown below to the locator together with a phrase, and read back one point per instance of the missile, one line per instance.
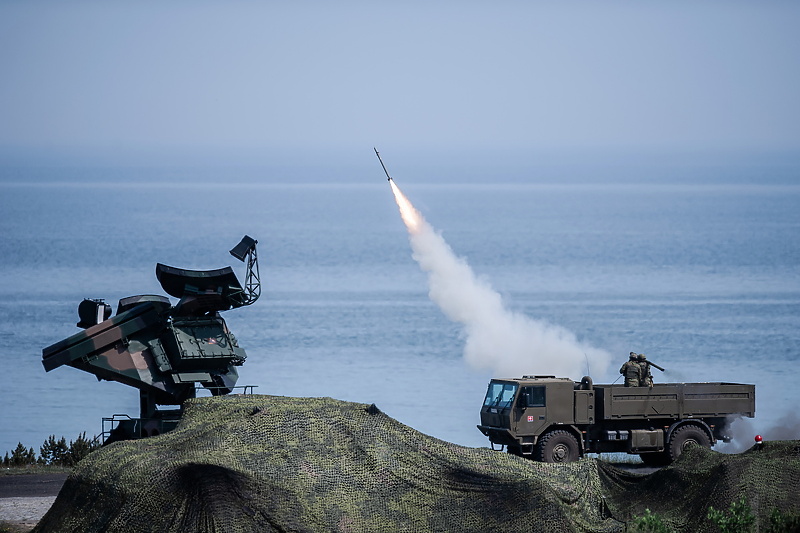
(388, 177)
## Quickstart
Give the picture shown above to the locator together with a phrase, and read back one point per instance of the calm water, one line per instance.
(701, 274)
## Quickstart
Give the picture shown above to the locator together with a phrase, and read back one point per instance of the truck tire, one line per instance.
(684, 437)
(558, 446)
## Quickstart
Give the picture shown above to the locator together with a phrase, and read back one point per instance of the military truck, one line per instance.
(558, 420)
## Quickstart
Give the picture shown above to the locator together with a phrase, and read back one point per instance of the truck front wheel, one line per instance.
(686, 436)
(558, 446)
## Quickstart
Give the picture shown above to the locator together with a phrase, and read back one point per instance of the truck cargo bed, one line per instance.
(675, 400)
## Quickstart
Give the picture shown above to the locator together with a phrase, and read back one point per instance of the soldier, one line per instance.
(645, 378)
(632, 371)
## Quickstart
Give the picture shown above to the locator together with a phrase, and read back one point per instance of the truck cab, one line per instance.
(516, 412)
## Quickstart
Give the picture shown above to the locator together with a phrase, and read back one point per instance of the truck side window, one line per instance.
(534, 395)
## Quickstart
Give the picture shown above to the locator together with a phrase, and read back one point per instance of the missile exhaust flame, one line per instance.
(497, 339)
(411, 217)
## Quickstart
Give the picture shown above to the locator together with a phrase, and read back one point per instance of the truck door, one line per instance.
(531, 411)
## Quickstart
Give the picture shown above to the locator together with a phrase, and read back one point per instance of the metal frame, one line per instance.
(252, 281)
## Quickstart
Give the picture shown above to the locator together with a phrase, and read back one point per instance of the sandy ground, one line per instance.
(24, 513)
(24, 499)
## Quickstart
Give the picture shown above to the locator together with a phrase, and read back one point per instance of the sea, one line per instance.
(698, 267)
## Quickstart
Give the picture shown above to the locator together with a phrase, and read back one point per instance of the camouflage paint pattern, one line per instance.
(146, 348)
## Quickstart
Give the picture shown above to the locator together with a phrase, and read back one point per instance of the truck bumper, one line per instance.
(498, 435)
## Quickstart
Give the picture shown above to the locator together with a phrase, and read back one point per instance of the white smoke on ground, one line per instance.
(507, 343)
(744, 430)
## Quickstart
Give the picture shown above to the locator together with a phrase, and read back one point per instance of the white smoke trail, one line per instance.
(507, 343)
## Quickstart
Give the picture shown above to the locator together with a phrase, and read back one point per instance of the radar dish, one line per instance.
(201, 291)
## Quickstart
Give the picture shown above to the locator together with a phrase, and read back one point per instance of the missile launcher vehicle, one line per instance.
(164, 350)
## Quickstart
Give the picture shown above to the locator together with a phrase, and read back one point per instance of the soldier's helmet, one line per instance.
(632, 357)
(642, 357)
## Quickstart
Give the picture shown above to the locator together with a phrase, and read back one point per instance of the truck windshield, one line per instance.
(500, 394)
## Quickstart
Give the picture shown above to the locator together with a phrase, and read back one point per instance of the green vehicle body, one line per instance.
(165, 351)
(558, 420)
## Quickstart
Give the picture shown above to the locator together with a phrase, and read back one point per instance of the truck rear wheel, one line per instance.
(558, 446)
(684, 437)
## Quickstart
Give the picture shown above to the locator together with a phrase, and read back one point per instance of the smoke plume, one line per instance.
(507, 343)
(743, 431)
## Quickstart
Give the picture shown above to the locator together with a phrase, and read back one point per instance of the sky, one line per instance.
(263, 78)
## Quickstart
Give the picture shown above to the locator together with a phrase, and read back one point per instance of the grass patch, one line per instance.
(33, 469)
(9, 527)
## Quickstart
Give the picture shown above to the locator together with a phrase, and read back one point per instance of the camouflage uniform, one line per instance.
(632, 371)
(646, 378)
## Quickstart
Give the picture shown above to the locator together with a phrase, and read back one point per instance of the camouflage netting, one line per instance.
(266, 463)
(767, 479)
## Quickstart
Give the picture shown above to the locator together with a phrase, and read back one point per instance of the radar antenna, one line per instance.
(246, 249)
